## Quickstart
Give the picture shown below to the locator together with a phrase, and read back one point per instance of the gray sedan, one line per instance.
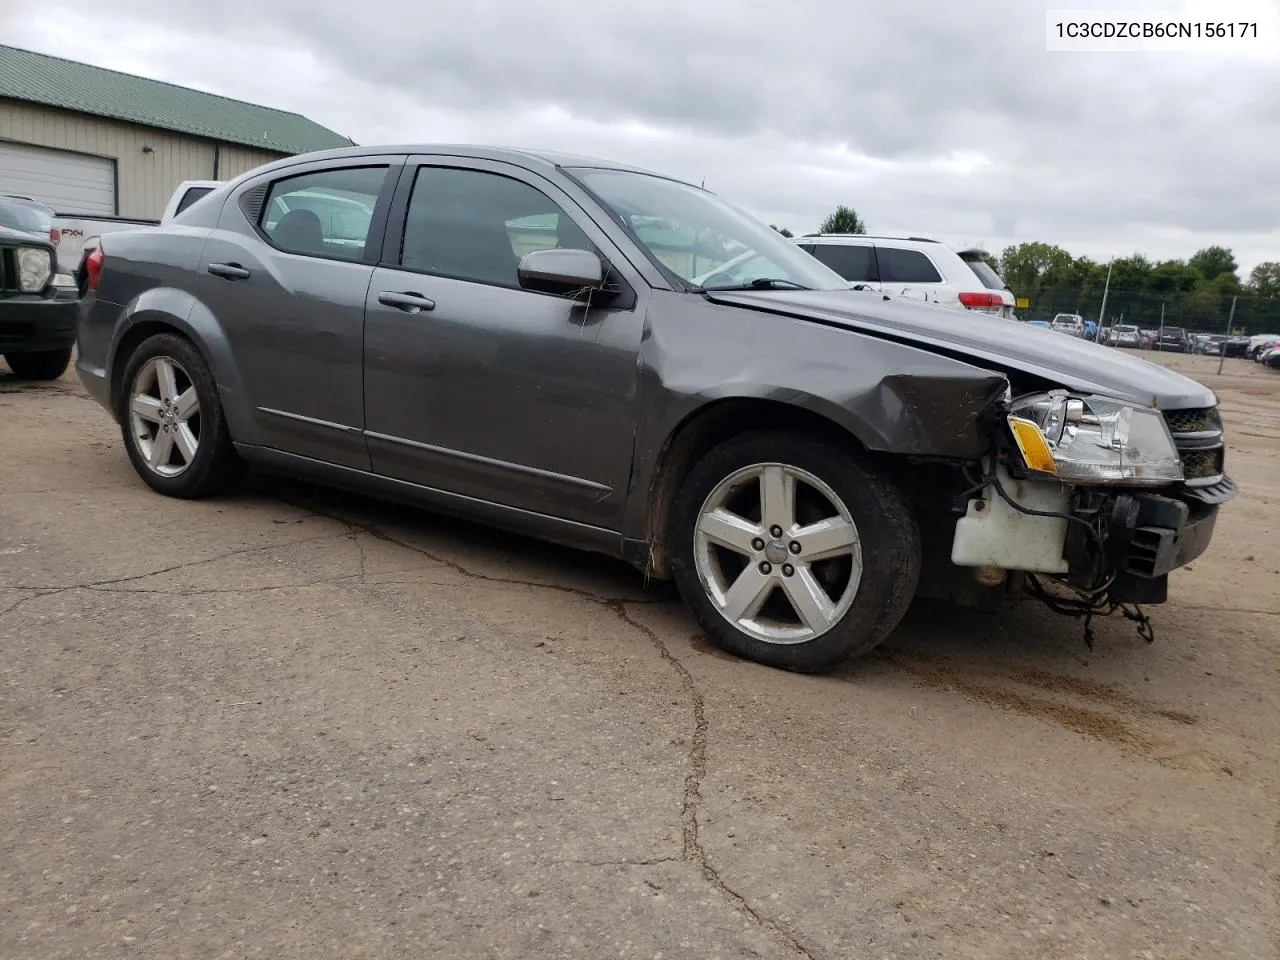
(620, 361)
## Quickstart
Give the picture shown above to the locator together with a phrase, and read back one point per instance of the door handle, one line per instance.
(409, 302)
(229, 271)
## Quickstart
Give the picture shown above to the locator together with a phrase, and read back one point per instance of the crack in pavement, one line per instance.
(356, 526)
(618, 863)
(50, 590)
(691, 848)
(303, 585)
(691, 851)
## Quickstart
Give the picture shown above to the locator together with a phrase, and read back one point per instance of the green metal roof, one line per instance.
(55, 82)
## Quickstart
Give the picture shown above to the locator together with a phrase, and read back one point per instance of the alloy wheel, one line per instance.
(778, 553)
(164, 416)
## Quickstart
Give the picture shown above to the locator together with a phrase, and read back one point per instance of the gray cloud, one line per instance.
(1156, 152)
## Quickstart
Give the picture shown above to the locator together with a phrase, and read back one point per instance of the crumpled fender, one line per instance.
(892, 397)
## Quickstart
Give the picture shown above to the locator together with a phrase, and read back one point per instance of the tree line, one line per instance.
(1195, 293)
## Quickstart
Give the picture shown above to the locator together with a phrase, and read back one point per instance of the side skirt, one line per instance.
(567, 533)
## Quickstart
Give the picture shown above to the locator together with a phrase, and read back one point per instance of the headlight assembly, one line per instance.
(34, 269)
(1093, 439)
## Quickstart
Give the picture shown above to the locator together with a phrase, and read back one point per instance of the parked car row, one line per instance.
(1210, 344)
(1169, 339)
(1261, 344)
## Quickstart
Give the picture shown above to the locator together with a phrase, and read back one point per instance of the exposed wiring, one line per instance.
(1088, 603)
(1090, 607)
(974, 485)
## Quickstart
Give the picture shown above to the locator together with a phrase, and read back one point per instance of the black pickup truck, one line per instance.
(37, 318)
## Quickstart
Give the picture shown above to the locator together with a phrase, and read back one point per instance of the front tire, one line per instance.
(41, 365)
(172, 421)
(792, 553)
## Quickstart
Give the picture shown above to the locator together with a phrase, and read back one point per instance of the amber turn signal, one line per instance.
(1032, 445)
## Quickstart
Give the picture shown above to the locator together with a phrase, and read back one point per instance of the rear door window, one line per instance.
(855, 262)
(905, 266)
(326, 214)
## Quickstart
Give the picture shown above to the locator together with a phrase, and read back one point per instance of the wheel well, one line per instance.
(129, 343)
(705, 429)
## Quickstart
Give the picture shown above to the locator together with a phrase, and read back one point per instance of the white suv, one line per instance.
(913, 267)
(1068, 323)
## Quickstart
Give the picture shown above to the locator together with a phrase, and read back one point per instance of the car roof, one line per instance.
(521, 155)
(861, 237)
(24, 200)
(10, 235)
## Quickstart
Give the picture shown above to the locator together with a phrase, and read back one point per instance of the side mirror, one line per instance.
(560, 271)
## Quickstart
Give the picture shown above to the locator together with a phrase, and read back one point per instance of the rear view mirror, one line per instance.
(561, 271)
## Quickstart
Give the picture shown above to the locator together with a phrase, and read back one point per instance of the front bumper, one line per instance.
(1151, 536)
(31, 324)
(1128, 540)
(1148, 536)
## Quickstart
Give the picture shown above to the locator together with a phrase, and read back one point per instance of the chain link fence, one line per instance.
(1200, 311)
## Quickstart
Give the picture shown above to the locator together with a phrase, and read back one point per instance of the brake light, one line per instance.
(55, 236)
(93, 268)
(982, 301)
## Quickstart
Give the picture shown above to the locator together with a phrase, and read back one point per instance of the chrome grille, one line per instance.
(1197, 433)
(1193, 421)
(1202, 464)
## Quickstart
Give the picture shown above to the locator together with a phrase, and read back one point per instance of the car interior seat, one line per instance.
(300, 230)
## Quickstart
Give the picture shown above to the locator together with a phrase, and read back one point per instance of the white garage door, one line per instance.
(68, 182)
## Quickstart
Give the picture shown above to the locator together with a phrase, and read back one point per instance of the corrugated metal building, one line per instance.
(91, 141)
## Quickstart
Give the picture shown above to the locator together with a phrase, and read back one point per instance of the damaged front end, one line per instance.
(1090, 502)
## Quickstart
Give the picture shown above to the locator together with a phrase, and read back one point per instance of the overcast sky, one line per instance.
(929, 117)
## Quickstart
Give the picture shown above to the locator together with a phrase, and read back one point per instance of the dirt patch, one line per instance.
(1100, 692)
(1092, 723)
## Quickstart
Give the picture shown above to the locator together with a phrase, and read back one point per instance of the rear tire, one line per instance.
(792, 553)
(171, 418)
(41, 365)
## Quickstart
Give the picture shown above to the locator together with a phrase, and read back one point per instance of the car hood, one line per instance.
(14, 235)
(987, 341)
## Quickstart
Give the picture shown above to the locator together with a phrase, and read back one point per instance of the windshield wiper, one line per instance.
(760, 283)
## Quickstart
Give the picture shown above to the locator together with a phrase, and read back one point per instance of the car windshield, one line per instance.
(24, 216)
(700, 240)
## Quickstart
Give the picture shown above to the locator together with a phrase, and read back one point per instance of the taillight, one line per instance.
(55, 236)
(985, 302)
(982, 301)
(93, 268)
